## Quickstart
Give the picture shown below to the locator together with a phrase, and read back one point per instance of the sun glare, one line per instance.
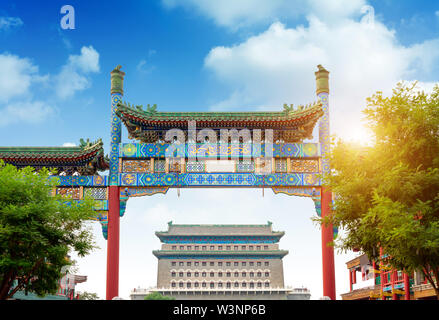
(361, 135)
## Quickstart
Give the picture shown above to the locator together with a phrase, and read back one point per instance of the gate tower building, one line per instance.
(220, 261)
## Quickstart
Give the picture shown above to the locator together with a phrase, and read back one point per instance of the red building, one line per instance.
(385, 283)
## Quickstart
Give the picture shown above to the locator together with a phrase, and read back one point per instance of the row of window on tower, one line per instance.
(220, 263)
(221, 274)
(212, 248)
(220, 285)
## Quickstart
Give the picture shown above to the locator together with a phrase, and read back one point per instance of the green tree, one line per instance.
(88, 296)
(157, 296)
(387, 195)
(37, 231)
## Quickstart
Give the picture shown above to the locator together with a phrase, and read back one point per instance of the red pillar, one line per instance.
(113, 243)
(327, 251)
(407, 286)
(382, 274)
(393, 279)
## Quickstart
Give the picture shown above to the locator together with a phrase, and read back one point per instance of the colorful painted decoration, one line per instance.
(136, 166)
(96, 193)
(84, 181)
(219, 179)
(281, 165)
(159, 166)
(116, 130)
(174, 165)
(245, 166)
(195, 166)
(73, 193)
(305, 165)
(142, 191)
(206, 150)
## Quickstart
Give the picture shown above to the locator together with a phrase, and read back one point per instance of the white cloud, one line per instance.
(235, 14)
(69, 144)
(277, 66)
(20, 74)
(142, 66)
(73, 75)
(25, 111)
(16, 103)
(69, 81)
(336, 11)
(87, 61)
(10, 22)
(16, 77)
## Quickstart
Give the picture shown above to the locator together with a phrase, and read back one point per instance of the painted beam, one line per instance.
(81, 181)
(156, 150)
(218, 179)
(198, 180)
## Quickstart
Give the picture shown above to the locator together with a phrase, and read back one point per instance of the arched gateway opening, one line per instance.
(191, 150)
(147, 215)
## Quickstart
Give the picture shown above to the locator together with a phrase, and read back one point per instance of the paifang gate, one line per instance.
(193, 150)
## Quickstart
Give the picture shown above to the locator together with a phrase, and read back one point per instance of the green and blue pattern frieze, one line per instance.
(156, 150)
(99, 205)
(81, 181)
(219, 179)
(196, 179)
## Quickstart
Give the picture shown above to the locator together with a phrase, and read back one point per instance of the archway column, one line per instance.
(114, 189)
(322, 91)
(113, 243)
(328, 266)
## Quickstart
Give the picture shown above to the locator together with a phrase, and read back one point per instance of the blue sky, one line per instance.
(193, 55)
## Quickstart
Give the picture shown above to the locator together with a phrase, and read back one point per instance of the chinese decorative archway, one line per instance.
(193, 150)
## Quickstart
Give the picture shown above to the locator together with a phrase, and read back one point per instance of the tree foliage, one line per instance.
(88, 296)
(387, 195)
(37, 231)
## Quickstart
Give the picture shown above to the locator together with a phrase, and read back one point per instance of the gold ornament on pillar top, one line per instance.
(117, 80)
(322, 80)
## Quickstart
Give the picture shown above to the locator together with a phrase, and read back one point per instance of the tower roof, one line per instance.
(219, 230)
(298, 122)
